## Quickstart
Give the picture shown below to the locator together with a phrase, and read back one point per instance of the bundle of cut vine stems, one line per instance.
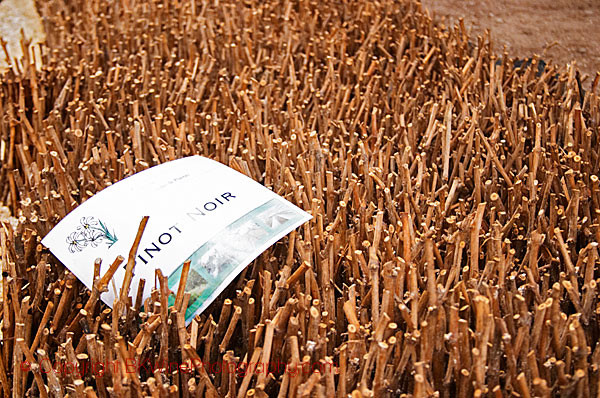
(456, 200)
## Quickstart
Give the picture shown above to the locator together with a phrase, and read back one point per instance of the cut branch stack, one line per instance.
(456, 203)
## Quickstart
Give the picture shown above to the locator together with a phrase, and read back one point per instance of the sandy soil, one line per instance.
(559, 31)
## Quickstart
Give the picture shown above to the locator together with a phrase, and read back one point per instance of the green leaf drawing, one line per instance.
(110, 237)
(88, 234)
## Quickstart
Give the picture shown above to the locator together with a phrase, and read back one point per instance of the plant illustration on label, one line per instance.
(91, 232)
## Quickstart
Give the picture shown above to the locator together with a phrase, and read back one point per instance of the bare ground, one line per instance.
(559, 31)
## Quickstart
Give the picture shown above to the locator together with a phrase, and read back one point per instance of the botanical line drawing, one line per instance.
(90, 232)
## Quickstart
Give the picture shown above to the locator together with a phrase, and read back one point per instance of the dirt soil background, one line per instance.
(559, 31)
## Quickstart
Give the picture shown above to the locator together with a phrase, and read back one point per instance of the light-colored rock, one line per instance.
(5, 216)
(17, 15)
